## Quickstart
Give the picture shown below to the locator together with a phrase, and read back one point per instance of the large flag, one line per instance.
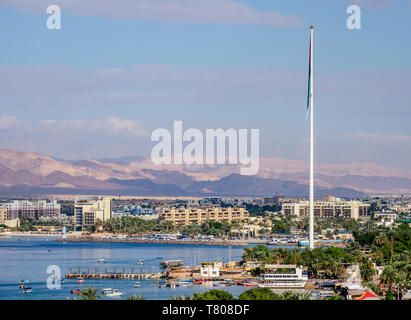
(309, 78)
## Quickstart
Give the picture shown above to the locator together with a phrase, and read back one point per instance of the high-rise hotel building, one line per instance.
(87, 210)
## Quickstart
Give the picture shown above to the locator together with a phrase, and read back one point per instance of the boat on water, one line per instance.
(114, 293)
(80, 281)
(27, 290)
(100, 260)
(76, 291)
(219, 284)
(106, 290)
(137, 285)
(184, 284)
(140, 262)
(275, 277)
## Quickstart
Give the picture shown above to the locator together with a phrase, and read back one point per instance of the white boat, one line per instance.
(107, 290)
(184, 284)
(100, 260)
(27, 290)
(114, 294)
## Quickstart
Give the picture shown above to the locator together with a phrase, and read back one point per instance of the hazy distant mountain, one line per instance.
(35, 173)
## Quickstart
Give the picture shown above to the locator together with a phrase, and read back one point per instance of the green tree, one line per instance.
(366, 270)
(295, 295)
(259, 294)
(89, 294)
(388, 276)
(213, 295)
(136, 297)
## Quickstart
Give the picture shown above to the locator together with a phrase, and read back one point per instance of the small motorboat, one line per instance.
(184, 284)
(137, 285)
(140, 262)
(107, 290)
(219, 284)
(80, 281)
(27, 290)
(76, 291)
(114, 294)
(100, 260)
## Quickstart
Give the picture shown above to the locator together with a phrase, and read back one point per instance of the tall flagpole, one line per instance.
(311, 140)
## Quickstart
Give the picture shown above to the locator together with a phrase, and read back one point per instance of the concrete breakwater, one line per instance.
(234, 243)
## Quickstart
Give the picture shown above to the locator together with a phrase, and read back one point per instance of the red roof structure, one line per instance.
(367, 296)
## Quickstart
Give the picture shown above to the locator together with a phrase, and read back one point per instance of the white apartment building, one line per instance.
(328, 208)
(32, 209)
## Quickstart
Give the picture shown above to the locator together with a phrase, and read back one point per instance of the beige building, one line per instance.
(328, 208)
(11, 223)
(90, 209)
(196, 216)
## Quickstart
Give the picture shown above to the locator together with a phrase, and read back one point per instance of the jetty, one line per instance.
(234, 243)
(124, 273)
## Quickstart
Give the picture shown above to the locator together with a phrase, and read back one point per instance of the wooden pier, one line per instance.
(113, 273)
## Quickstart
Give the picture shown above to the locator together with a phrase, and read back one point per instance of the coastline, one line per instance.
(233, 243)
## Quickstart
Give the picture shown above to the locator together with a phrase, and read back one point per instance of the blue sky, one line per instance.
(116, 71)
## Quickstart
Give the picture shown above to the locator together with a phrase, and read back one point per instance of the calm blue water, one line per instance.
(28, 258)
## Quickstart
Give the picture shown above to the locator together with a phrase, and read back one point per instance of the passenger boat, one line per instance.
(272, 278)
(114, 294)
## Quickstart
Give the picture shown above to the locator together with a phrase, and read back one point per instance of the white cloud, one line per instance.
(187, 11)
(8, 122)
(76, 138)
(377, 137)
(112, 124)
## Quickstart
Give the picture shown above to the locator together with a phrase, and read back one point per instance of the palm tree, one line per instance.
(381, 238)
(299, 295)
(89, 294)
(402, 283)
(388, 276)
(136, 297)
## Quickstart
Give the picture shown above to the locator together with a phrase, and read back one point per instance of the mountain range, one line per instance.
(27, 173)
